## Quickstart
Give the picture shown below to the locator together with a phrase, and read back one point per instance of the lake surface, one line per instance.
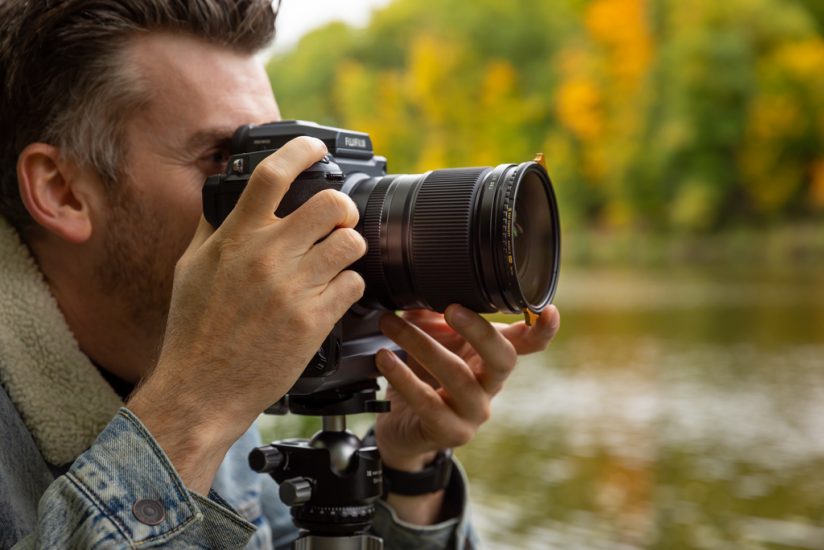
(676, 409)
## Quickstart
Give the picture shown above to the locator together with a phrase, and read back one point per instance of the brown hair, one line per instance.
(64, 80)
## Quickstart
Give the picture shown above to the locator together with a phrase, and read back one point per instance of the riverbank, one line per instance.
(786, 245)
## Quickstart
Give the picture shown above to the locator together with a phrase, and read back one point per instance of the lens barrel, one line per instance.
(487, 238)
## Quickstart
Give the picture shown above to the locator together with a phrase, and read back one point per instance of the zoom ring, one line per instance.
(441, 240)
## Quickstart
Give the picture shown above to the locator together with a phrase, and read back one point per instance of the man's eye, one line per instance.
(214, 161)
(219, 156)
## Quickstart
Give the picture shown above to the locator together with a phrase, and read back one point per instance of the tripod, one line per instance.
(330, 482)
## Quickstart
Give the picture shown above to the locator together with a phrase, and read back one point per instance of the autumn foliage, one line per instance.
(654, 114)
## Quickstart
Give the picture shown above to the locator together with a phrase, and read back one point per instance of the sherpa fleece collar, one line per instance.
(61, 396)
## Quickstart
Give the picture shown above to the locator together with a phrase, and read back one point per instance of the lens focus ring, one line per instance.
(441, 255)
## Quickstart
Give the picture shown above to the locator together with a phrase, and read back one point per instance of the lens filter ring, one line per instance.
(525, 239)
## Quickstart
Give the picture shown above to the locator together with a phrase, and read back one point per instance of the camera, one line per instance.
(487, 238)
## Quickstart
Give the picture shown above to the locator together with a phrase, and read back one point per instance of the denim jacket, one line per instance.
(77, 470)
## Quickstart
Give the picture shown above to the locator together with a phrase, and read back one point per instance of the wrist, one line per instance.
(422, 509)
(398, 457)
(407, 462)
(176, 403)
(432, 478)
(193, 440)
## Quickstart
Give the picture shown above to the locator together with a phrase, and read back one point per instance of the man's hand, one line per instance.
(251, 304)
(457, 363)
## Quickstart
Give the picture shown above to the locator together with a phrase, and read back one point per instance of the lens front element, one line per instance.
(533, 235)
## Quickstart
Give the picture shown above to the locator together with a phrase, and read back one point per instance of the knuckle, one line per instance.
(228, 245)
(329, 199)
(461, 436)
(484, 412)
(271, 170)
(339, 249)
(343, 204)
(510, 354)
(257, 268)
(352, 241)
(355, 284)
(333, 206)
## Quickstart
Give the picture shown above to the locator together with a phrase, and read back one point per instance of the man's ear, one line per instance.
(57, 194)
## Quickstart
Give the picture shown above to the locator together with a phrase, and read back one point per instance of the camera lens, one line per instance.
(487, 238)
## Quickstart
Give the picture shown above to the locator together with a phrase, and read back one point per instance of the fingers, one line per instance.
(343, 291)
(272, 178)
(535, 338)
(465, 392)
(447, 429)
(337, 251)
(418, 394)
(499, 355)
(421, 315)
(432, 323)
(319, 215)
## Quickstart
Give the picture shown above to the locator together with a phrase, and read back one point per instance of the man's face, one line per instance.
(200, 93)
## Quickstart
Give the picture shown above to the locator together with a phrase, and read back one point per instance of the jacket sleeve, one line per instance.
(124, 492)
(456, 532)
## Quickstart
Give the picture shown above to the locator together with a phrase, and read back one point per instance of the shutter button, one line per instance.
(148, 511)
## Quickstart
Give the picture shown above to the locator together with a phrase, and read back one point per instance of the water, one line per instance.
(676, 409)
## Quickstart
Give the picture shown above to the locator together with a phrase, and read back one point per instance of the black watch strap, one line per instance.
(434, 477)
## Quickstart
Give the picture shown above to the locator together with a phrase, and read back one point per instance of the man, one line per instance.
(113, 114)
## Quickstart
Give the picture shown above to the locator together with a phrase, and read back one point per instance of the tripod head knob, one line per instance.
(265, 459)
(295, 491)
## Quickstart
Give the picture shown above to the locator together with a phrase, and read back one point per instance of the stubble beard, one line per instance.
(137, 269)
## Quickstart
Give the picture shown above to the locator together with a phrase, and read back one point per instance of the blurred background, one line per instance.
(682, 403)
